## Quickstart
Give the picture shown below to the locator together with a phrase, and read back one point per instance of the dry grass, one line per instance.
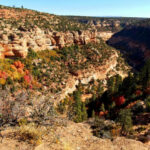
(31, 133)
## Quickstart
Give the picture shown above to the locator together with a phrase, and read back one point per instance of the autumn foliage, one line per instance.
(3, 74)
(120, 100)
(15, 71)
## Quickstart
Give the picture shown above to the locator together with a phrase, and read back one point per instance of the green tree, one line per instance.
(84, 112)
(147, 102)
(114, 84)
(93, 114)
(125, 120)
(102, 108)
(78, 106)
(100, 90)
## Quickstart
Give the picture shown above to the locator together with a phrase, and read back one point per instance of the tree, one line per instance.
(100, 90)
(78, 107)
(147, 102)
(125, 120)
(93, 113)
(114, 84)
(84, 112)
(102, 108)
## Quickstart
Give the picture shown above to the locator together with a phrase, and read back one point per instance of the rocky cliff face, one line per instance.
(85, 76)
(16, 43)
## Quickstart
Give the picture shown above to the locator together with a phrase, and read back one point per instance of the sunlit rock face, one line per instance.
(16, 44)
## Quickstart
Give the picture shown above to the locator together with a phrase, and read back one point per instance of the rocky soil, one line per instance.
(69, 136)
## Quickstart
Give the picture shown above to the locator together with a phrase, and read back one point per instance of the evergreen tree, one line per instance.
(78, 107)
(147, 102)
(125, 120)
(84, 112)
(102, 107)
(93, 113)
(100, 90)
(114, 84)
(145, 75)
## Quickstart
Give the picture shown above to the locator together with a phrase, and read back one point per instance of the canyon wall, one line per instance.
(15, 43)
(85, 76)
(133, 41)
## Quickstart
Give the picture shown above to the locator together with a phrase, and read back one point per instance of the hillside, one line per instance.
(23, 29)
(113, 24)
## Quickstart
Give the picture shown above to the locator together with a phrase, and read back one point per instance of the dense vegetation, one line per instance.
(124, 101)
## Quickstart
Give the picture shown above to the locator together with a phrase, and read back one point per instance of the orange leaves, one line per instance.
(18, 65)
(3, 74)
(3, 77)
(13, 67)
(2, 81)
(16, 72)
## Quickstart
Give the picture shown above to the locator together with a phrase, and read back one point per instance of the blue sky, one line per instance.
(128, 8)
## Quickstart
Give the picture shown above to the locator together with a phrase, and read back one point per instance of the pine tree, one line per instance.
(93, 113)
(100, 90)
(102, 108)
(78, 107)
(84, 112)
(125, 120)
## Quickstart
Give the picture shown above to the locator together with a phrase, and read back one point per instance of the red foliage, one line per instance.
(27, 78)
(147, 90)
(119, 100)
(30, 86)
(138, 92)
(27, 72)
(3, 74)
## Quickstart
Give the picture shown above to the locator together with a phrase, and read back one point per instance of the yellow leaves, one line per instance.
(16, 75)
(2, 81)
(5, 64)
(47, 54)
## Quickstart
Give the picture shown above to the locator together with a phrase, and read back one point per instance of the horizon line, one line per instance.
(74, 15)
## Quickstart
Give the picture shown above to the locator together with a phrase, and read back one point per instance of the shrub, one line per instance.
(31, 133)
(147, 102)
(119, 100)
(2, 81)
(32, 54)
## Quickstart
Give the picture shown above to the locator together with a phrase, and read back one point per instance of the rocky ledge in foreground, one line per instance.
(68, 136)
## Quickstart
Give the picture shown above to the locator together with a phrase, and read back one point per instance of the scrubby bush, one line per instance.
(31, 133)
(147, 102)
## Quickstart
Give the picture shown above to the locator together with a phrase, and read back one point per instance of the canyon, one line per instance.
(51, 64)
(134, 45)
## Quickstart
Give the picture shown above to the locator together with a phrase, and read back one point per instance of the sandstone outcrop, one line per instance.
(19, 42)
